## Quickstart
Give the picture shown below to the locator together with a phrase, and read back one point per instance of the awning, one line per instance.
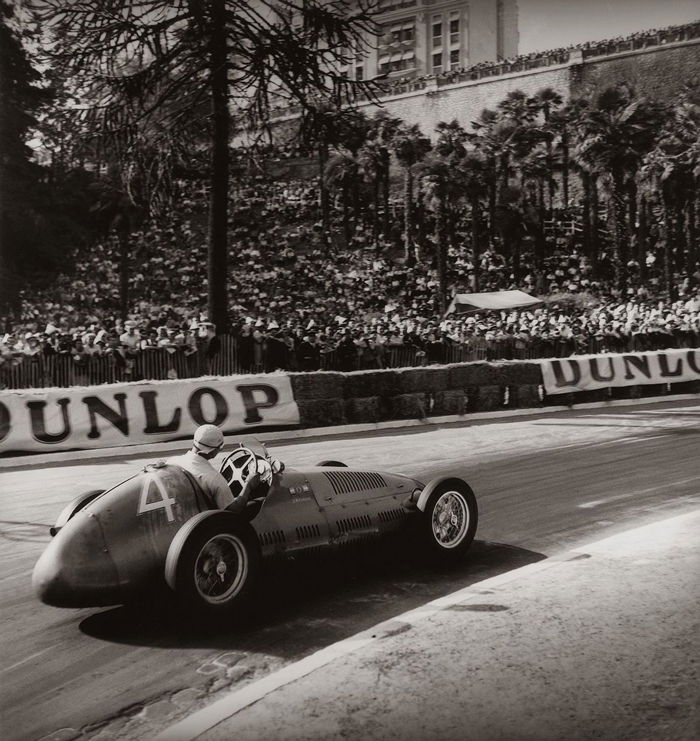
(407, 55)
(396, 57)
(464, 303)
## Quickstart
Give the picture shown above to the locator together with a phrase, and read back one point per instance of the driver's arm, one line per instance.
(239, 503)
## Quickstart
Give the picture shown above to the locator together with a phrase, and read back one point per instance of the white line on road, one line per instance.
(203, 720)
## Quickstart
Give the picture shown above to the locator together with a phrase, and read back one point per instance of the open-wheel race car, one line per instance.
(111, 546)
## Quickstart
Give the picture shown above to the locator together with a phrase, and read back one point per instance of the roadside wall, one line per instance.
(326, 399)
(108, 416)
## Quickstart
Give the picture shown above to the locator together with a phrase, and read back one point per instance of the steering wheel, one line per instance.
(238, 467)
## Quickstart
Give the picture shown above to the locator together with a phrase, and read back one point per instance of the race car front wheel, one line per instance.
(213, 563)
(448, 523)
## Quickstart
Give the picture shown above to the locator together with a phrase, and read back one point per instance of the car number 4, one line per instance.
(165, 502)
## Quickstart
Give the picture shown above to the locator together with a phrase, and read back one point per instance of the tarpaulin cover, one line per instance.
(465, 302)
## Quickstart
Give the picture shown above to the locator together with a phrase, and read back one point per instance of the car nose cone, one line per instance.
(76, 569)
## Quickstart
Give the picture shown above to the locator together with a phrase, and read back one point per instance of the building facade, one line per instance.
(428, 37)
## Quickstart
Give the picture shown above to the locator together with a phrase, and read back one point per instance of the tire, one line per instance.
(203, 584)
(448, 524)
(332, 464)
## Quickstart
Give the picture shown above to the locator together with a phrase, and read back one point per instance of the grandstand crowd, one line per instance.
(295, 304)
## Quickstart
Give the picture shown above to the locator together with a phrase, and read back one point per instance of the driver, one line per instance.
(208, 441)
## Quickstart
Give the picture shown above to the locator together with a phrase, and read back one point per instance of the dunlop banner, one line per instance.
(125, 414)
(589, 372)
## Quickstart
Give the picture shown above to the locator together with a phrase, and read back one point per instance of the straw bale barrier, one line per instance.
(330, 398)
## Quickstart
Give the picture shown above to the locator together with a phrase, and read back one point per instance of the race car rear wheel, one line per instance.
(448, 523)
(213, 563)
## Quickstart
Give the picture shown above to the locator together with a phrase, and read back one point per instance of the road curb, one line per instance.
(219, 711)
(316, 433)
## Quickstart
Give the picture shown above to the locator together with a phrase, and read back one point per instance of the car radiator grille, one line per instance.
(345, 482)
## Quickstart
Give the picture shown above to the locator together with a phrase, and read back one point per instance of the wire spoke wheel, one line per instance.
(450, 519)
(221, 568)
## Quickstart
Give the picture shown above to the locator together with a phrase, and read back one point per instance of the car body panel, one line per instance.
(117, 544)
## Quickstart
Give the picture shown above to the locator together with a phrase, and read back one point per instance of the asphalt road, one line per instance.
(545, 484)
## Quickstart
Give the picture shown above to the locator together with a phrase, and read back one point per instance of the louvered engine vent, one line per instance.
(390, 515)
(273, 537)
(345, 482)
(354, 523)
(308, 531)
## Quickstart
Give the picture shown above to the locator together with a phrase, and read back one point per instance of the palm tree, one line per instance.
(410, 146)
(436, 176)
(613, 137)
(671, 170)
(475, 176)
(535, 171)
(549, 100)
(382, 130)
(341, 174)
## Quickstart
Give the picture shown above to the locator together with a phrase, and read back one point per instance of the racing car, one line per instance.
(108, 547)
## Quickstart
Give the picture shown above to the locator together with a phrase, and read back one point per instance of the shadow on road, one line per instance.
(307, 604)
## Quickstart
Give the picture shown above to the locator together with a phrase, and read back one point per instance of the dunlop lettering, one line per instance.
(153, 426)
(589, 372)
(132, 413)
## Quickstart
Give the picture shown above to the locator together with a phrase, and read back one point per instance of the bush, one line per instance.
(321, 412)
(407, 406)
(319, 385)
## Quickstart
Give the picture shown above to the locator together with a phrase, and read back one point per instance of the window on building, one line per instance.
(398, 33)
(454, 59)
(359, 73)
(454, 31)
(437, 63)
(397, 62)
(437, 34)
(385, 5)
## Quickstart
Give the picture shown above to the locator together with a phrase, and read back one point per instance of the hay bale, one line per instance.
(362, 384)
(517, 373)
(451, 401)
(462, 375)
(524, 397)
(406, 406)
(321, 412)
(321, 385)
(488, 398)
(363, 409)
(427, 380)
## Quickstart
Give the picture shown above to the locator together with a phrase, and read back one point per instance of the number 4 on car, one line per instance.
(159, 528)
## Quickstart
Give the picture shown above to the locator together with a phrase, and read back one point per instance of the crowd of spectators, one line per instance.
(561, 55)
(295, 303)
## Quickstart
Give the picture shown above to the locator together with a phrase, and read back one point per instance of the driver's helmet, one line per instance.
(208, 438)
